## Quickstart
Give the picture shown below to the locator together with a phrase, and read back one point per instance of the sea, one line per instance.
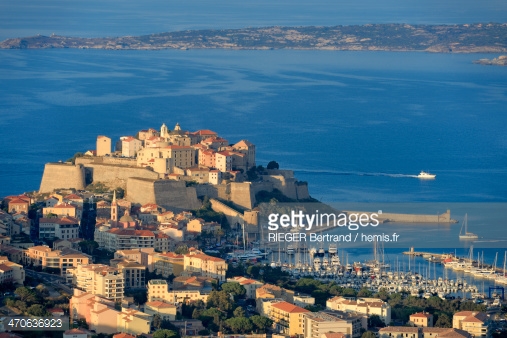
(357, 126)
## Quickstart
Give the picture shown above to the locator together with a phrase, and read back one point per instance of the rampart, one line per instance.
(62, 176)
(107, 160)
(173, 195)
(236, 218)
(114, 175)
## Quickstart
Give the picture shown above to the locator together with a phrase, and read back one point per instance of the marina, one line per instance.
(418, 273)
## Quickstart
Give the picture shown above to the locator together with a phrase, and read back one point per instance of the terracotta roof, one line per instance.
(159, 304)
(288, 307)
(17, 201)
(243, 143)
(73, 197)
(335, 335)
(399, 329)
(206, 257)
(421, 315)
(59, 220)
(64, 205)
(472, 316)
(4, 268)
(123, 335)
(203, 132)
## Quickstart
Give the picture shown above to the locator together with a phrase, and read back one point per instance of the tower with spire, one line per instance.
(163, 131)
(114, 208)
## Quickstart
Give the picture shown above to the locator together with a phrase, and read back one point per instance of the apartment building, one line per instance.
(367, 306)
(98, 279)
(421, 332)
(61, 259)
(63, 227)
(421, 319)
(474, 322)
(134, 274)
(167, 264)
(158, 290)
(198, 264)
(165, 310)
(63, 209)
(287, 318)
(11, 272)
(315, 324)
(122, 239)
(274, 291)
(101, 316)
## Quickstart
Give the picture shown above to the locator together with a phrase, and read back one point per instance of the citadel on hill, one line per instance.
(173, 168)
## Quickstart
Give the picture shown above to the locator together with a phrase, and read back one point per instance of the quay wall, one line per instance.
(62, 176)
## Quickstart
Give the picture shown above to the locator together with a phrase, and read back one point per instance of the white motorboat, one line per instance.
(424, 175)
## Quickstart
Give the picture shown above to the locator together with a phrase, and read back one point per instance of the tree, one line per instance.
(157, 321)
(88, 246)
(27, 295)
(239, 312)
(235, 289)
(273, 165)
(219, 300)
(349, 292)
(239, 325)
(181, 250)
(368, 334)
(37, 310)
(443, 321)
(375, 321)
(364, 292)
(164, 333)
(261, 323)
(120, 192)
(382, 294)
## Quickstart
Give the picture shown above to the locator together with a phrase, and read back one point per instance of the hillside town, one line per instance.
(119, 264)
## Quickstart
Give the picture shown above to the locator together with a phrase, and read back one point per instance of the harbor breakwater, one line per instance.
(410, 218)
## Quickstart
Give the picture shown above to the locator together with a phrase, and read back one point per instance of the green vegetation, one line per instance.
(234, 289)
(73, 158)
(36, 301)
(273, 165)
(209, 215)
(97, 188)
(220, 313)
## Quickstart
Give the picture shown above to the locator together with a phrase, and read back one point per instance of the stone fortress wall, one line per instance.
(144, 186)
(170, 194)
(62, 176)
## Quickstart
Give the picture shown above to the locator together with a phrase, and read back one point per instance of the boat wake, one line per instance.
(351, 173)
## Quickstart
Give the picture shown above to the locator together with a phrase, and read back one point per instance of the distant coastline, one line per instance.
(467, 38)
(499, 61)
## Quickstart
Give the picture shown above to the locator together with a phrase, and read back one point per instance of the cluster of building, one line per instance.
(201, 156)
(465, 324)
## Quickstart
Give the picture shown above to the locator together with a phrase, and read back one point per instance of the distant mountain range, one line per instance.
(466, 38)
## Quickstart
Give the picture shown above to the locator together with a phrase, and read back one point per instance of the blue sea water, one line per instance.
(355, 125)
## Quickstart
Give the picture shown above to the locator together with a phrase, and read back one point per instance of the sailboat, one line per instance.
(466, 234)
